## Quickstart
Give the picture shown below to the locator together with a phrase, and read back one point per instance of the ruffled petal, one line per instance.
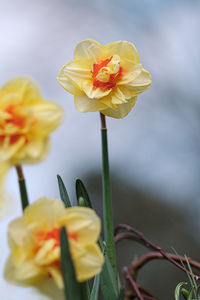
(26, 89)
(122, 109)
(24, 274)
(47, 117)
(40, 209)
(85, 104)
(141, 83)
(88, 49)
(84, 222)
(73, 74)
(89, 264)
(94, 92)
(122, 48)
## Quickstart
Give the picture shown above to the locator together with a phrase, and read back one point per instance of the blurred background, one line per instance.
(154, 151)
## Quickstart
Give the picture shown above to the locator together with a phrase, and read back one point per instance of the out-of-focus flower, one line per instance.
(26, 120)
(34, 240)
(105, 78)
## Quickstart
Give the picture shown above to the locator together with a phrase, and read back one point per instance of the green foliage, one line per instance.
(82, 195)
(71, 286)
(193, 293)
(63, 192)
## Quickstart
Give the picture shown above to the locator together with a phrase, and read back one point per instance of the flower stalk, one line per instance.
(22, 187)
(107, 201)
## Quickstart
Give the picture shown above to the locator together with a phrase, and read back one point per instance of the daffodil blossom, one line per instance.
(105, 78)
(34, 241)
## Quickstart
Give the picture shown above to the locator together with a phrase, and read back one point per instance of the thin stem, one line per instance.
(22, 187)
(107, 202)
(143, 240)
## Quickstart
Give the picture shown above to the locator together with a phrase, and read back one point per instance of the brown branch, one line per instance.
(133, 283)
(139, 263)
(143, 240)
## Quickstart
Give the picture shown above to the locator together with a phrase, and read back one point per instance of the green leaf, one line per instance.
(71, 286)
(85, 290)
(178, 290)
(107, 277)
(63, 192)
(82, 194)
(107, 281)
(95, 288)
(121, 295)
(185, 293)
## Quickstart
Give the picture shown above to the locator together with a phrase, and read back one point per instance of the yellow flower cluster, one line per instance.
(34, 240)
(105, 78)
(26, 120)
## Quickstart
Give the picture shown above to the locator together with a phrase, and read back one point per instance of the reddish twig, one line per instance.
(133, 283)
(156, 255)
(142, 239)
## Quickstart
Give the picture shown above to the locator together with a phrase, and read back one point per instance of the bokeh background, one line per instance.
(154, 151)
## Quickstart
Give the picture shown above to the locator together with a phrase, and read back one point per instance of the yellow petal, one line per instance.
(17, 232)
(73, 74)
(122, 48)
(84, 222)
(89, 264)
(85, 104)
(122, 109)
(141, 83)
(93, 92)
(88, 49)
(130, 75)
(56, 274)
(25, 274)
(48, 116)
(40, 210)
(24, 87)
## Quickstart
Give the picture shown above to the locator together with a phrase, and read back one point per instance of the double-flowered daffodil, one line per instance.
(34, 241)
(105, 78)
(26, 120)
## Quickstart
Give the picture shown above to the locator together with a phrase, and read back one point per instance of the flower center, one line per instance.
(53, 234)
(106, 74)
(14, 122)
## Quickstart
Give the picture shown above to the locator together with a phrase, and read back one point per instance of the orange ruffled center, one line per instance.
(106, 74)
(14, 123)
(53, 234)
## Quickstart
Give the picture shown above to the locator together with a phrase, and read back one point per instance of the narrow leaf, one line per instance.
(121, 295)
(63, 192)
(95, 288)
(178, 290)
(185, 293)
(71, 286)
(107, 277)
(107, 281)
(82, 194)
(85, 290)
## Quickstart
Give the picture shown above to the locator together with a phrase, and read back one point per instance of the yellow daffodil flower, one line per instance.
(26, 120)
(105, 78)
(34, 240)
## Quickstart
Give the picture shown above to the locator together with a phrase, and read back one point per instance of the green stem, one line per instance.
(107, 202)
(22, 187)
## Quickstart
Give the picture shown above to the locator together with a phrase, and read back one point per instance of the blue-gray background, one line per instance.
(154, 151)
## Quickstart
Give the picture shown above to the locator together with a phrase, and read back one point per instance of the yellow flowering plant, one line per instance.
(53, 238)
(105, 78)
